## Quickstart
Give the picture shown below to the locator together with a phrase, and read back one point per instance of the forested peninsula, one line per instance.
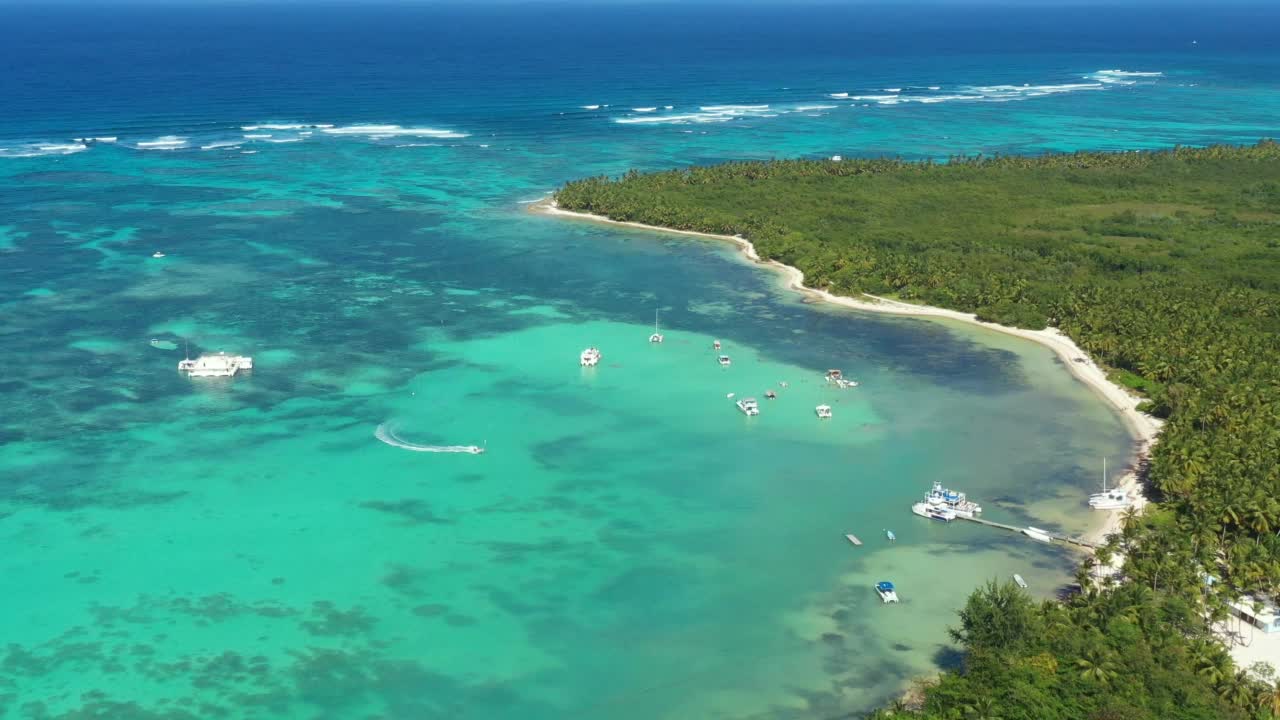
(1165, 267)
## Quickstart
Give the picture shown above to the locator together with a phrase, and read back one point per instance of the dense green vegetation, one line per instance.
(1165, 266)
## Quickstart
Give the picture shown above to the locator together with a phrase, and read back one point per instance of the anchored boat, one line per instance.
(823, 411)
(724, 361)
(748, 406)
(590, 357)
(957, 501)
(656, 337)
(219, 365)
(886, 591)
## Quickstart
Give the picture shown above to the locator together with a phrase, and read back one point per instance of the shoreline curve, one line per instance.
(1144, 428)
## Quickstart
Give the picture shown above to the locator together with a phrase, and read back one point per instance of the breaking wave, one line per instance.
(37, 149)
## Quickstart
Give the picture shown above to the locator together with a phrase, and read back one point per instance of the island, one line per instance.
(1160, 271)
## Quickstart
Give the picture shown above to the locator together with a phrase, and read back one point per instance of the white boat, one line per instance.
(715, 344)
(889, 534)
(656, 337)
(837, 378)
(824, 411)
(157, 254)
(934, 512)
(853, 539)
(590, 357)
(1018, 579)
(956, 501)
(1113, 499)
(724, 360)
(219, 365)
(886, 591)
(1037, 534)
(748, 406)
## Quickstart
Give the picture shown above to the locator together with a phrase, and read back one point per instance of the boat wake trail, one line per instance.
(388, 436)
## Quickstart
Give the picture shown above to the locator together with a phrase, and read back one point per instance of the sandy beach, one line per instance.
(1145, 428)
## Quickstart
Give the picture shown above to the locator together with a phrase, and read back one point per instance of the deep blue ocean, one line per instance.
(342, 192)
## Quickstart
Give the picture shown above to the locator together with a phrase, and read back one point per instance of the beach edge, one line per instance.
(1144, 428)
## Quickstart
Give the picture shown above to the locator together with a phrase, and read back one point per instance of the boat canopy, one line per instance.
(884, 585)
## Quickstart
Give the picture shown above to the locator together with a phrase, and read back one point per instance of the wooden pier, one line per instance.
(1059, 538)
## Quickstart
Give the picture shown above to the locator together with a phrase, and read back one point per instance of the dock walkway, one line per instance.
(1059, 538)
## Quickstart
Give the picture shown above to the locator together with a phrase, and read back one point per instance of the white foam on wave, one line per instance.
(257, 136)
(838, 96)
(873, 97)
(108, 139)
(934, 87)
(37, 149)
(221, 144)
(644, 109)
(165, 142)
(668, 107)
(892, 90)
(590, 107)
(1122, 77)
(388, 131)
(810, 108)
(286, 126)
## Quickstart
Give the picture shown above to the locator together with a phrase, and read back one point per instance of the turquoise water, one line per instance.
(629, 546)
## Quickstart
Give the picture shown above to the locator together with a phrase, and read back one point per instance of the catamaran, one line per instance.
(956, 501)
(1113, 499)
(656, 337)
(219, 365)
(748, 406)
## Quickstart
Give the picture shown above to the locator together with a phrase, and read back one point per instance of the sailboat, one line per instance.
(1113, 499)
(656, 337)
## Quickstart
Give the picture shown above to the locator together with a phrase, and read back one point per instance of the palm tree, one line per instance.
(1096, 667)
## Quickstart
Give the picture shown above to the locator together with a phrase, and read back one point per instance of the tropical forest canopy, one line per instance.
(1165, 266)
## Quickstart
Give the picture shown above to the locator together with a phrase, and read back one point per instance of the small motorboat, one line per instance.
(886, 591)
(770, 395)
(716, 344)
(824, 411)
(1018, 579)
(157, 254)
(590, 357)
(853, 539)
(889, 534)
(724, 361)
(748, 406)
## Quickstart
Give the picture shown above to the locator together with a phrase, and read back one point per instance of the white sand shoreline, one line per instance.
(1144, 428)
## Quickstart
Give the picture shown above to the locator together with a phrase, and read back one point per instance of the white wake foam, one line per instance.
(1121, 77)
(388, 436)
(26, 150)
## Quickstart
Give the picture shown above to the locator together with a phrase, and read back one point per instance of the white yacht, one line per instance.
(934, 512)
(724, 361)
(219, 365)
(824, 411)
(748, 406)
(157, 254)
(590, 357)
(886, 591)
(656, 337)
